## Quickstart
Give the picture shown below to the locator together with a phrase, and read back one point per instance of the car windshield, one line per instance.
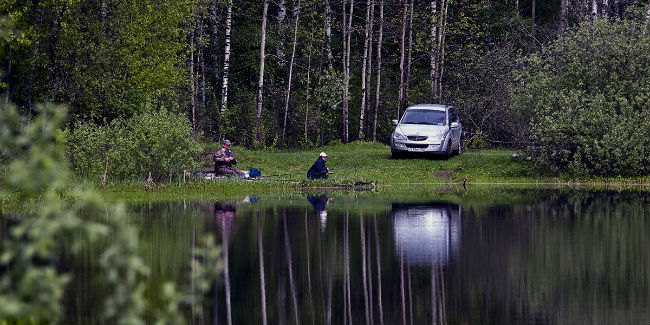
(424, 116)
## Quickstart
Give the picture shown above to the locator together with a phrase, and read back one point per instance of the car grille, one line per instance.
(416, 145)
(417, 137)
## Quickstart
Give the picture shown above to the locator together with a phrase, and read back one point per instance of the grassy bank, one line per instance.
(284, 171)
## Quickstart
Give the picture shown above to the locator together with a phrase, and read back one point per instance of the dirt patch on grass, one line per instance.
(445, 173)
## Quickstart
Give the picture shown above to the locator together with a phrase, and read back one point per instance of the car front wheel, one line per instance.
(448, 152)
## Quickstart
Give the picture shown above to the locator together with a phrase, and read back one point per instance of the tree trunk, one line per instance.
(260, 254)
(346, 75)
(532, 10)
(226, 59)
(378, 83)
(362, 111)
(402, 54)
(433, 49)
(328, 32)
(318, 96)
(441, 46)
(311, 43)
(201, 59)
(563, 15)
(369, 71)
(647, 20)
(594, 8)
(260, 80)
(214, 41)
(282, 13)
(293, 55)
(407, 79)
(192, 81)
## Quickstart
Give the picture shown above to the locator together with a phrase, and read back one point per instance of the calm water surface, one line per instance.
(530, 256)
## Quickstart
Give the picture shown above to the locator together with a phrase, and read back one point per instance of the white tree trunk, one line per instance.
(293, 55)
(364, 67)
(346, 75)
(378, 83)
(260, 80)
(328, 33)
(432, 50)
(402, 56)
(282, 13)
(594, 8)
(369, 71)
(441, 45)
(311, 44)
(192, 89)
(407, 79)
(226, 59)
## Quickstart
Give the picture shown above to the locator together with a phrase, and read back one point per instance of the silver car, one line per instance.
(427, 128)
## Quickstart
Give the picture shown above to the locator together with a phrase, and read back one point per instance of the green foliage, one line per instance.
(156, 142)
(51, 229)
(103, 61)
(587, 98)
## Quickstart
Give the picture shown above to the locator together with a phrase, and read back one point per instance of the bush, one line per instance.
(587, 99)
(156, 142)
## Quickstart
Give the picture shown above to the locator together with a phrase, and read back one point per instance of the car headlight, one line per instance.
(439, 138)
(398, 136)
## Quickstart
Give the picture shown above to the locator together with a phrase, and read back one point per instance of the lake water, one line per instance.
(441, 256)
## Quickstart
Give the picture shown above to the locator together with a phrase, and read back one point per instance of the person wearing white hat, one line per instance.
(318, 169)
(224, 160)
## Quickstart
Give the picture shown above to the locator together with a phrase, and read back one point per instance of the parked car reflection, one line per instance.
(426, 234)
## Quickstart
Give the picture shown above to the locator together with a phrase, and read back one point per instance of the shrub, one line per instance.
(587, 99)
(156, 142)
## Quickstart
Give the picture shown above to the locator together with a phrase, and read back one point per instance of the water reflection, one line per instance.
(320, 205)
(542, 259)
(426, 234)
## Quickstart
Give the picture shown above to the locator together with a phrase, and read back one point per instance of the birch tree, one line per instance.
(293, 55)
(346, 73)
(433, 32)
(328, 32)
(402, 54)
(226, 59)
(260, 80)
(378, 82)
(407, 78)
(364, 67)
(192, 90)
(563, 14)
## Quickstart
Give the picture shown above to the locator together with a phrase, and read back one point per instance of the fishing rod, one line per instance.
(365, 168)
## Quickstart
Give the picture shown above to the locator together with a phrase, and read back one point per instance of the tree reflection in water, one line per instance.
(541, 261)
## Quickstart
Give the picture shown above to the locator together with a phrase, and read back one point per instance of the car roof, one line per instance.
(436, 107)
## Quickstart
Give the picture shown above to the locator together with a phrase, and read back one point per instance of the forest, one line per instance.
(305, 73)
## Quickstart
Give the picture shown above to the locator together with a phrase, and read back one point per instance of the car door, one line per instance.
(455, 132)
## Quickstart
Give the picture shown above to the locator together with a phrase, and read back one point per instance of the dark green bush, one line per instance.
(156, 142)
(587, 99)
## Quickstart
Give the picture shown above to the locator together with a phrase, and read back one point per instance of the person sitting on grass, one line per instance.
(318, 169)
(224, 160)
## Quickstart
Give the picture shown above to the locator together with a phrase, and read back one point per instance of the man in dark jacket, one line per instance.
(318, 169)
(223, 161)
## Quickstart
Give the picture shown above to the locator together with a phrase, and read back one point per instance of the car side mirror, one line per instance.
(393, 122)
(454, 125)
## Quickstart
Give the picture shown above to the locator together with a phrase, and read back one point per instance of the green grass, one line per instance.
(284, 171)
(363, 161)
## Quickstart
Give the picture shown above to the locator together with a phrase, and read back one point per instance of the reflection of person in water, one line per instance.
(224, 213)
(320, 204)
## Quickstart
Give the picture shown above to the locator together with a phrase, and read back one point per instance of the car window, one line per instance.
(424, 116)
(453, 117)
